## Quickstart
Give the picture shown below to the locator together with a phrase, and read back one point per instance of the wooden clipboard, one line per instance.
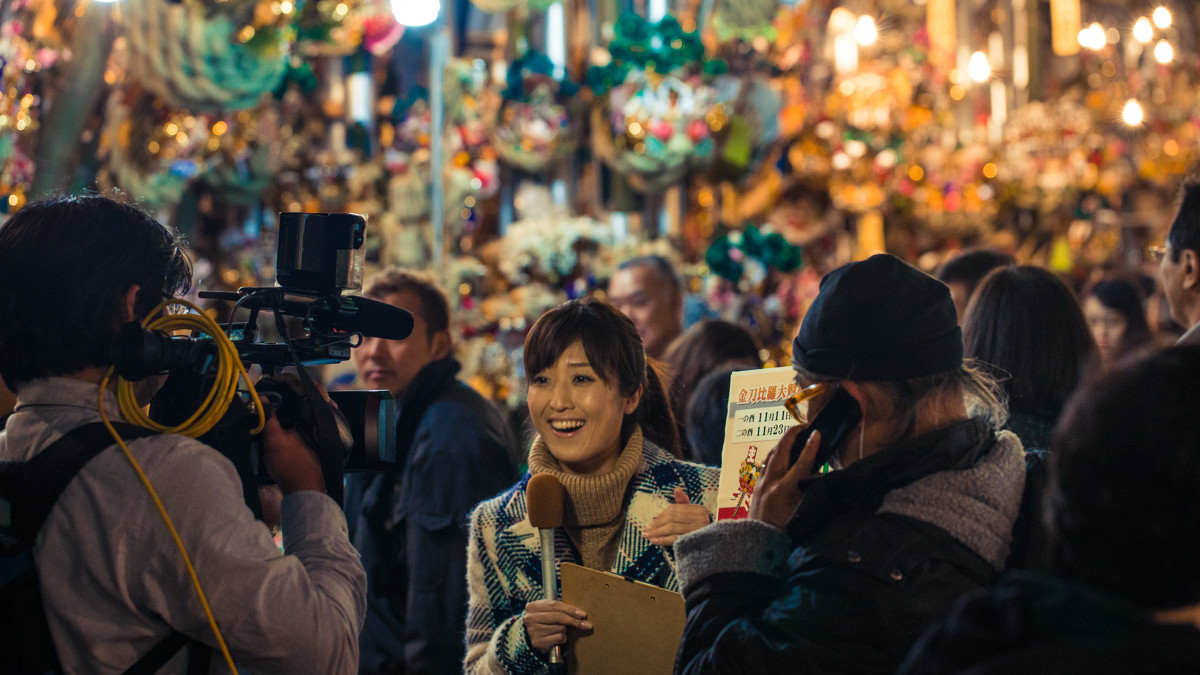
(637, 627)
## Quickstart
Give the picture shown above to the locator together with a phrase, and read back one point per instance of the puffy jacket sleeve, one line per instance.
(730, 572)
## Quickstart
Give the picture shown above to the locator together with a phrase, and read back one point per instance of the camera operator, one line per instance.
(72, 271)
(410, 523)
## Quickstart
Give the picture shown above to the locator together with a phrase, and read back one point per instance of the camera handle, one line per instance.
(323, 427)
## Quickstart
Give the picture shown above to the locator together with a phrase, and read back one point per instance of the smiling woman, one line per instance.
(603, 422)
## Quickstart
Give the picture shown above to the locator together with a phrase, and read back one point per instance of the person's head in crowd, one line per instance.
(889, 335)
(1179, 270)
(73, 270)
(589, 384)
(647, 290)
(1117, 318)
(704, 419)
(394, 364)
(1123, 496)
(1025, 324)
(963, 272)
(702, 349)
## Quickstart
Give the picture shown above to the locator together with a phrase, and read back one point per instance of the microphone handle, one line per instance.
(558, 665)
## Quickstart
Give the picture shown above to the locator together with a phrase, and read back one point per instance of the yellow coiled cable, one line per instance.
(218, 400)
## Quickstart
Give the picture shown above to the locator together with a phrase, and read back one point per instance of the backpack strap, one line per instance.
(32, 487)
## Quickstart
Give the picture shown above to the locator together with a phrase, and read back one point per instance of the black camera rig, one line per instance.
(319, 256)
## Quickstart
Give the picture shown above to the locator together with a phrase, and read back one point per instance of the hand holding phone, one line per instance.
(835, 421)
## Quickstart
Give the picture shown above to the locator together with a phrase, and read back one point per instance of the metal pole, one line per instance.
(439, 54)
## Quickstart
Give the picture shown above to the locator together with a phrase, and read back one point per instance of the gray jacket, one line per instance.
(114, 583)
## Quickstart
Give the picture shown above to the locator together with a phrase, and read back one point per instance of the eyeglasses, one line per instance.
(1155, 253)
(797, 403)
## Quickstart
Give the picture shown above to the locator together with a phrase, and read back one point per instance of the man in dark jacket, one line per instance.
(1123, 501)
(410, 523)
(841, 572)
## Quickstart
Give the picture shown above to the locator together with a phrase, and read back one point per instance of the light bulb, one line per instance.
(416, 12)
(865, 31)
(1143, 32)
(1132, 114)
(841, 20)
(1163, 53)
(979, 69)
(1162, 17)
(1092, 37)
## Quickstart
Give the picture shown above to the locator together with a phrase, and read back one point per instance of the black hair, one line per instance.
(435, 307)
(971, 266)
(1126, 299)
(1185, 229)
(614, 350)
(661, 267)
(706, 413)
(65, 265)
(700, 350)
(1025, 323)
(1122, 500)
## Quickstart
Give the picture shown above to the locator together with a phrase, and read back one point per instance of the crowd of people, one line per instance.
(1015, 483)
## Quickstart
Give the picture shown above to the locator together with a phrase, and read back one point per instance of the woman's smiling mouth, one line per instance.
(566, 427)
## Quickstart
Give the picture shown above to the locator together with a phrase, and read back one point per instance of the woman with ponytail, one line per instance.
(605, 430)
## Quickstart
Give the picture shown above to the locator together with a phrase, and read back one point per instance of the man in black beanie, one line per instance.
(841, 572)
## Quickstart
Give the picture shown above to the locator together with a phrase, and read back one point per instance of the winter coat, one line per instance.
(1039, 624)
(410, 523)
(873, 554)
(505, 570)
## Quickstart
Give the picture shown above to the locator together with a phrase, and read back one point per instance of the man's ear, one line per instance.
(1189, 265)
(128, 308)
(441, 345)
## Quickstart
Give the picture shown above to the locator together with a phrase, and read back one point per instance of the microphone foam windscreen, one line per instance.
(544, 501)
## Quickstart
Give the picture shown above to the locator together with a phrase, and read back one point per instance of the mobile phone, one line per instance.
(835, 421)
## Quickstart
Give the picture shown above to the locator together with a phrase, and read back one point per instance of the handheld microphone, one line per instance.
(544, 502)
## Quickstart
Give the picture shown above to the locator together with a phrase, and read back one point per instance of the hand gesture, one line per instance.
(778, 492)
(677, 520)
(290, 461)
(546, 623)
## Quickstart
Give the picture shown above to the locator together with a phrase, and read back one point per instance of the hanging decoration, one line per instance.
(746, 117)
(156, 169)
(745, 19)
(20, 107)
(748, 256)
(201, 56)
(535, 126)
(329, 27)
(655, 114)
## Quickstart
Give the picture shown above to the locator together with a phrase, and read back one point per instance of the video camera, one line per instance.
(319, 256)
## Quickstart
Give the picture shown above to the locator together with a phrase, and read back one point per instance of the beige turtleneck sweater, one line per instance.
(593, 505)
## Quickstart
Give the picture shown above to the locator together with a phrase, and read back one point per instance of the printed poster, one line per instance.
(755, 422)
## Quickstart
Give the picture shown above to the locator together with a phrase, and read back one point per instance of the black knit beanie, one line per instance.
(879, 319)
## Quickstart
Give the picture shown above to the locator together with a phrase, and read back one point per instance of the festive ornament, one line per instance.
(534, 127)
(194, 56)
